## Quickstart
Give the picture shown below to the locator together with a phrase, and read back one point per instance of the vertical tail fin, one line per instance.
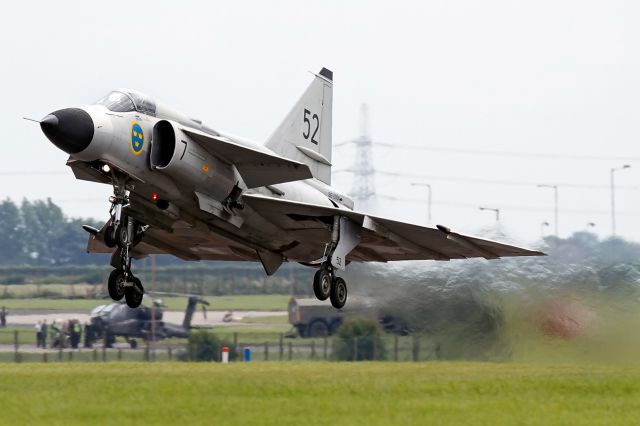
(188, 313)
(305, 133)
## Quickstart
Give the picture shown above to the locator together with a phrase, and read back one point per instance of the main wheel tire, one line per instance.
(110, 237)
(115, 285)
(122, 236)
(322, 284)
(133, 294)
(338, 293)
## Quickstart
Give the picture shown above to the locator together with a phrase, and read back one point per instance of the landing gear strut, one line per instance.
(123, 232)
(345, 235)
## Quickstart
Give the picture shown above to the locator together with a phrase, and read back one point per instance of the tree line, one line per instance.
(38, 233)
(41, 245)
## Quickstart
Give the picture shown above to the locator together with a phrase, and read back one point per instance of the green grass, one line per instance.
(25, 336)
(268, 302)
(84, 355)
(268, 330)
(49, 290)
(318, 393)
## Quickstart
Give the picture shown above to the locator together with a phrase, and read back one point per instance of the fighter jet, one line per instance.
(183, 188)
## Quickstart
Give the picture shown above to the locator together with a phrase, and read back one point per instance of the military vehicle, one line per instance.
(183, 188)
(312, 318)
(119, 320)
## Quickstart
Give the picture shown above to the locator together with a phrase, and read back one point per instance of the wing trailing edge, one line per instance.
(388, 240)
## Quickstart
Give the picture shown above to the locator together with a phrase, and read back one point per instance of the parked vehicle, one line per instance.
(313, 318)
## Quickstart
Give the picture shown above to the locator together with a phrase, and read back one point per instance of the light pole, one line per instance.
(542, 226)
(555, 204)
(497, 211)
(428, 186)
(613, 198)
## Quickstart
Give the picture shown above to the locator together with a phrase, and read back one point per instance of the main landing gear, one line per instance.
(123, 232)
(345, 235)
(327, 286)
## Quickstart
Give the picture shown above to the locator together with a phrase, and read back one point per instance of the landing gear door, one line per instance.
(349, 239)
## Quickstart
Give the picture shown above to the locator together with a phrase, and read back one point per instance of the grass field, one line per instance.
(318, 393)
(267, 302)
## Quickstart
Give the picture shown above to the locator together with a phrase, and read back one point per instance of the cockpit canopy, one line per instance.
(127, 101)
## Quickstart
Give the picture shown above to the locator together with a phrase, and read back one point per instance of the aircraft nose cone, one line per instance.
(69, 129)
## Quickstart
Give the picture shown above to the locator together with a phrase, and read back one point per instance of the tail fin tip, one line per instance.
(326, 73)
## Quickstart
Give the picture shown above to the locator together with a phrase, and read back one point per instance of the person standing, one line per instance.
(76, 333)
(56, 332)
(43, 333)
(3, 317)
(72, 333)
(38, 328)
(87, 335)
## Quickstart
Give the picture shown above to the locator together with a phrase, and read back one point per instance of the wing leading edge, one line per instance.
(385, 240)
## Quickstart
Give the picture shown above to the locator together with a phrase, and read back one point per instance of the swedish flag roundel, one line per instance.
(137, 138)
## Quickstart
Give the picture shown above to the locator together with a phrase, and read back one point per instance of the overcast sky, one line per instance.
(559, 78)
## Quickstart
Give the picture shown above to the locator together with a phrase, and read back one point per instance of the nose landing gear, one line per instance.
(125, 233)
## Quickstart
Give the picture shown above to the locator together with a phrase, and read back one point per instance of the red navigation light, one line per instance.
(154, 197)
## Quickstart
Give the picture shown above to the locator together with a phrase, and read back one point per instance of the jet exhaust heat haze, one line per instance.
(580, 302)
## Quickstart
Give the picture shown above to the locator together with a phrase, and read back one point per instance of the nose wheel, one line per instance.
(120, 286)
(133, 293)
(110, 236)
(116, 284)
(327, 286)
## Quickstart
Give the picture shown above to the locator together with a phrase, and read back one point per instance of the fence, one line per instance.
(20, 346)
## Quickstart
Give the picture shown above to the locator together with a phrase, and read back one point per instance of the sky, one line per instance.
(498, 96)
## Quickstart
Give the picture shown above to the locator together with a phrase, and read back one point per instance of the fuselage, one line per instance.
(122, 128)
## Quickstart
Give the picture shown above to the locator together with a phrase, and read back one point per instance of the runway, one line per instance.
(214, 318)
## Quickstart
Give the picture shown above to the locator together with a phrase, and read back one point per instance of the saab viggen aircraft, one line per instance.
(183, 188)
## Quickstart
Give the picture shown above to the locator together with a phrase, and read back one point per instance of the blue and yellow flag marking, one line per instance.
(137, 138)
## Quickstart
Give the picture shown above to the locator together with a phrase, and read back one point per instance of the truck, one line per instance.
(313, 318)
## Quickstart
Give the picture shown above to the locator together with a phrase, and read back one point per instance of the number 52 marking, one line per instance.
(314, 117)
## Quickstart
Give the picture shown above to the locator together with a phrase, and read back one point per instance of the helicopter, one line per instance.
(119, 320)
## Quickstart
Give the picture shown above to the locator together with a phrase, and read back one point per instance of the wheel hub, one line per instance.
(326, 284)
(120, 285)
